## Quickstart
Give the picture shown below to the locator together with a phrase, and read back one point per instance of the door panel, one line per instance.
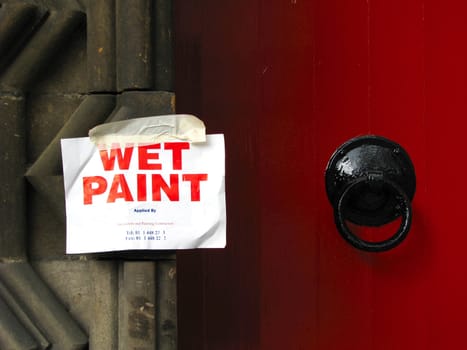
(288, 82)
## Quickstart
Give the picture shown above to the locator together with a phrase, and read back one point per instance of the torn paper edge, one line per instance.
(149, 130)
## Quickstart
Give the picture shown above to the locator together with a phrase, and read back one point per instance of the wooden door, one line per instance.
(288, 82)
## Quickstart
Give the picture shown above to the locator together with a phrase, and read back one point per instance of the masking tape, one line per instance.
(156, 129)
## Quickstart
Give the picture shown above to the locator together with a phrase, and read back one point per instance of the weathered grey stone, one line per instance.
(163, 49)
(166, 292)
(23, 318)
(13, 188)
(47, 237)
(47, 113)
(13, 336)
(134, 23)
(65, 73)
(46, 231)
(40, 50)
(101, 45)
(42, 306)
(89, 290)
(63, 70)
(137, 304)
(133, 104)
(14, 18)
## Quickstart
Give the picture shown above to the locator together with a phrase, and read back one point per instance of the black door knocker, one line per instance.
(370, 181)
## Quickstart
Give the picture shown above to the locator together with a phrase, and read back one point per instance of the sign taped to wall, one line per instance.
(167, 195)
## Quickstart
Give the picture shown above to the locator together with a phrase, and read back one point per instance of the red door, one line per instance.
(287, 82)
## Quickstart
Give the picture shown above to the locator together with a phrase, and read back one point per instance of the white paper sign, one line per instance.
(168, 195)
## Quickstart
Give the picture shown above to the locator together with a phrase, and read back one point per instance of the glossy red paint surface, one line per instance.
(288, 82)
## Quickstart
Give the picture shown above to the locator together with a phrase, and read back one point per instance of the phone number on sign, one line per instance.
(145, 235)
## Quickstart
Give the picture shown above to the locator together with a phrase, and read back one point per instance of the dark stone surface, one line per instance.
(66, 66)
(13, 187)
(13, 335)
(42, 305)
(101, 46)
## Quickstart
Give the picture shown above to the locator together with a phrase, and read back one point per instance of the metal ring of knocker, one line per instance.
(397, 238)
(370, 181)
